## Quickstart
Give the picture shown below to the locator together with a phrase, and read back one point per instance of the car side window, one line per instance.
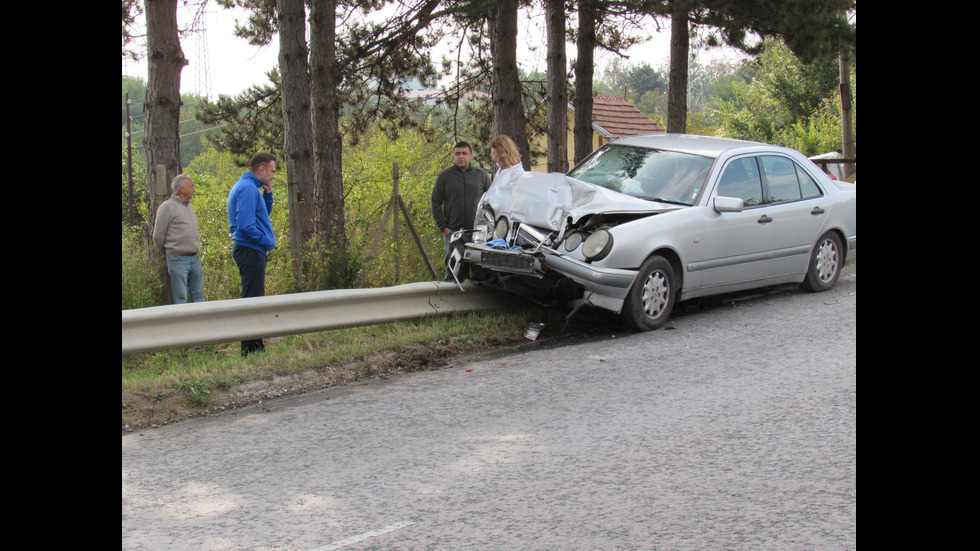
(807, 184)
(781, 178)
(741, 179)
(787, 181)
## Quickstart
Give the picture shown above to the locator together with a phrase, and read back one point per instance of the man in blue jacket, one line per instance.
(251, 229)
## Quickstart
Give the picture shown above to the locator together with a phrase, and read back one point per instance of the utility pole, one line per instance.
(129, 162)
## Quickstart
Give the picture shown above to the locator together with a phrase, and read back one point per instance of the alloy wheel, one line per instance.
(655, 294)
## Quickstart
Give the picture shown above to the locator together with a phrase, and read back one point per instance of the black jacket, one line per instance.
(456, 196)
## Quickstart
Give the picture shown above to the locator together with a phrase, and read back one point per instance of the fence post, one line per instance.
(398, 249)
(394, 206)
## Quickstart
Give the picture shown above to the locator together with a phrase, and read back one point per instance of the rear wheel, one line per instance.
(826, 260)
(651, 299)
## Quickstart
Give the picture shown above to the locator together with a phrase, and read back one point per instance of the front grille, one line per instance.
(528, 236)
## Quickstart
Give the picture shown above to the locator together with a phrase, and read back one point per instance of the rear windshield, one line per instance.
(665, 176)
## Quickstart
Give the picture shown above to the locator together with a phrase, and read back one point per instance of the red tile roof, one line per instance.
(620, 118)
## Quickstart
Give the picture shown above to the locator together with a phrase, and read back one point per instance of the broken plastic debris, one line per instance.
(533, 331)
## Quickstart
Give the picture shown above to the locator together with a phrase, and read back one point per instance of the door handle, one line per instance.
(817, 211)
(764, 220)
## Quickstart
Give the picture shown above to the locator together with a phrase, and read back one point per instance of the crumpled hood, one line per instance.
(546, 200)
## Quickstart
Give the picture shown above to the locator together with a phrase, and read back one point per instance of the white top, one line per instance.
(508, 174)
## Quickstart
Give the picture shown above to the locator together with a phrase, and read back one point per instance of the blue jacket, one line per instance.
(248, 214)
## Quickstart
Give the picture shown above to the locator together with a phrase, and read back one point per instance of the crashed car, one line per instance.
(647, 221)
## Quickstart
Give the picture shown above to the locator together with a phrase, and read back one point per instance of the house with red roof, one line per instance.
(612, 118)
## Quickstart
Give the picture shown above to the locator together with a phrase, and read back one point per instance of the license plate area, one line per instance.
(508, 261)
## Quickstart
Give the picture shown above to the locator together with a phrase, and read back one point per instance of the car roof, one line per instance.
(707, 146)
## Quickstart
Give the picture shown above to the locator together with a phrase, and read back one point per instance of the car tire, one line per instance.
(651, 298)
(826, 261)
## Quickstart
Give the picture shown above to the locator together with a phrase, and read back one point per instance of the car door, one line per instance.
(736, 245)
(797, 209)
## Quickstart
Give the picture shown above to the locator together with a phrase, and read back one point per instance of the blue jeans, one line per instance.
(445, 252)
(186, 278)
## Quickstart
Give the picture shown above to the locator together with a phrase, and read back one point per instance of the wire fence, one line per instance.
(385, 248)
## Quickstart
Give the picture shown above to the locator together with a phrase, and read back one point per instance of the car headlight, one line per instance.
(597, 245)
(573, 241)
(501, 228)
(487, 215)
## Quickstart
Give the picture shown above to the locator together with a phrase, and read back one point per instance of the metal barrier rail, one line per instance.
(184, 325)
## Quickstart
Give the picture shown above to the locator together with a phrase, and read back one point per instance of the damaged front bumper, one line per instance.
(602, 287)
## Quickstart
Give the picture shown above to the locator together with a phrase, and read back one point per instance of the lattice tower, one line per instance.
(202, 72)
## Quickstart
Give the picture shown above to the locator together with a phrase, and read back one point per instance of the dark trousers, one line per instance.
(251, 268)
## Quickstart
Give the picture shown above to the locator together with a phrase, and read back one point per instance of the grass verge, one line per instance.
(164, 387)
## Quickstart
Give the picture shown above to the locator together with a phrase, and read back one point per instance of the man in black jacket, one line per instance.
(457, 193)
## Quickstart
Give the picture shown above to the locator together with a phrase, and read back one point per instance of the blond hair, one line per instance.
(506, 151)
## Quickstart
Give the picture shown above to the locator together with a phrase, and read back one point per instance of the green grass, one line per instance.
(163, 387)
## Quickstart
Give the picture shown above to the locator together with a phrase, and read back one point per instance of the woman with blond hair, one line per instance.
(504, 153)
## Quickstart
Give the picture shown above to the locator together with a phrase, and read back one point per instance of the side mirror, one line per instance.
(728, 204)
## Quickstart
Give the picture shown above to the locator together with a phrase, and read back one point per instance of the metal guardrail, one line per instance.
(199, 323)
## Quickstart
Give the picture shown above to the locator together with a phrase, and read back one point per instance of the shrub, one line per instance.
(142, 268)
(368, 190)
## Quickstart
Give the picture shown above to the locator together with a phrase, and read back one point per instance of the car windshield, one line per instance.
(653, 174)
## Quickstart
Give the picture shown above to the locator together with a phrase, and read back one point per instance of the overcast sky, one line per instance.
(232, 65)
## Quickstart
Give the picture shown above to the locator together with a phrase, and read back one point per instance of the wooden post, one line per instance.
(847, 139)
(158, 190)
(398, 270)
(394, 206)
(160, 184)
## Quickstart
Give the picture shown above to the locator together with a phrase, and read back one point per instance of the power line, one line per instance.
(189, 133)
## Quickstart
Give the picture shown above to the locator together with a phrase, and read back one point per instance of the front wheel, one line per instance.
(826, 261)
(651, 299)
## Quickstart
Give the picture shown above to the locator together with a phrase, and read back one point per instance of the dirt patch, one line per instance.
(140, 411)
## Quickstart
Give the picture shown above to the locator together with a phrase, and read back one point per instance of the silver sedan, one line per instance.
(647, 221)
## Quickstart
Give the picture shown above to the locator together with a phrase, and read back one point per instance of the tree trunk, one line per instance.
(557, 87)
(677, 87)
(161, 137)
(585, 44)
(298, 131)
(508, 111)
(161, 133)
(327, 144)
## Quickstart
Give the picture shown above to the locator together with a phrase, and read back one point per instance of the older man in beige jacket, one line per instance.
(175, 233)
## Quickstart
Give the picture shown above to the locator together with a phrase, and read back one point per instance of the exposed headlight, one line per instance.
(573, 241)
(487, 215)
(597, 245)
(501, 229)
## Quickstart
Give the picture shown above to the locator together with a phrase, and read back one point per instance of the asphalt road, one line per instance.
(733, 429)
